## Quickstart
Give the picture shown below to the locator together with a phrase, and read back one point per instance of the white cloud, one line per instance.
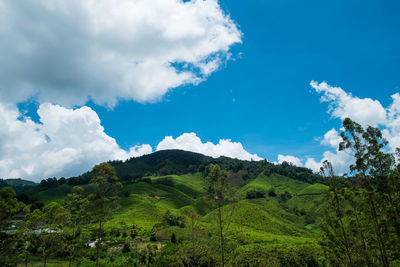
(392, 131)
(332, 138)
(191, 142)
(364, 111)
(66, 51)
(67, 142)
(290, 159)
(69, 51)
(342, 105)
(340, 161)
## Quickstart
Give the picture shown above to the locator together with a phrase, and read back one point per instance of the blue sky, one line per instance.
(80, 84)
(262, 98)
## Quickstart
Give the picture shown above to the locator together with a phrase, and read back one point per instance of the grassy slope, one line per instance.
(278, 182)
(142, 209)
(264, 221)
(308, 198)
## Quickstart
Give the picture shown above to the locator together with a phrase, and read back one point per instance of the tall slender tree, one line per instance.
(335, 215)
(104, 200)
(221, 193)
(366, 202)
(76, 206)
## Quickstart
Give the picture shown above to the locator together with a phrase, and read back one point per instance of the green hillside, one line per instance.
(17, 184)
(178, 162)
(259, 221)
(270, 211)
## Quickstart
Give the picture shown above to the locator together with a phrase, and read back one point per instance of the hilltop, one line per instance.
(179, 162)
(17, 184)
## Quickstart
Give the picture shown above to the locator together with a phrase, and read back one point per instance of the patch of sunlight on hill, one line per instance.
(309, 198)
(278, 182)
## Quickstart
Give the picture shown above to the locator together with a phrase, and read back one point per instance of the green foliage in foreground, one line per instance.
(215, 217)
(360, 221)
(162, 220)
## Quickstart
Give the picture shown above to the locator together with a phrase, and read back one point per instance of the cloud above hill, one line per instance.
(63, 53)
(191, 142)
(289, 159)
(68, 142)
(365, 111)
(66, 52)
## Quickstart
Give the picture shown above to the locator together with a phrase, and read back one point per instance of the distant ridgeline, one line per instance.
(179, 162)
(17, 184)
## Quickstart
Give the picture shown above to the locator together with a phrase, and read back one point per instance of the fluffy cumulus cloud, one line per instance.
(66, 142)
(290, 159)
(331, 138)
(366, 111)
(392, 125)
(342, 105)
(340, 161)
(69, 51)
(191, 142)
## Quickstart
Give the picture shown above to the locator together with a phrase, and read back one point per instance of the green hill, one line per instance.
(17, 184)
(264, 220)
(282, 215)
(167, 162)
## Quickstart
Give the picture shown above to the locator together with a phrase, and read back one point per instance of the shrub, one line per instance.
(285, 196)
(173, 238)
(271, 192)
(282, 256)
(173, 220)
(153, 237)
(255, 194)
(126, 248)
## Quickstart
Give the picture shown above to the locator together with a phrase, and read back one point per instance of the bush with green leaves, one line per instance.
(255, 194)
(174, 220)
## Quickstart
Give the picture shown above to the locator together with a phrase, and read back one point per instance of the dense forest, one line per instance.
(177, 208)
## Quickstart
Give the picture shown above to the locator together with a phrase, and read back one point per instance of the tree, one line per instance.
(334, 224)
(371, 168)
(221, 193)
(365, 204)
(24, 242)
(47, 226)
(9, 206)
(104, 199)
(194, 233)
(55, 218)
(76, 206)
